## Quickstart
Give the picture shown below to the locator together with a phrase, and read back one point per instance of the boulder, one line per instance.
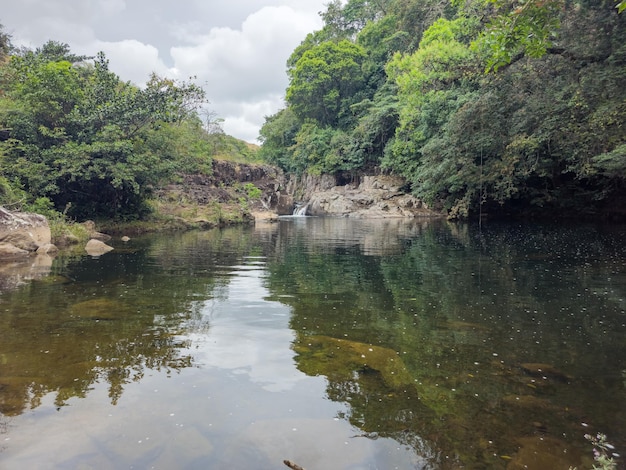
(103, 237)
(47, 249)
(10, 251)
(67, 239)
(96, 247)
(284, 204)
(23, 230)
(90, 226)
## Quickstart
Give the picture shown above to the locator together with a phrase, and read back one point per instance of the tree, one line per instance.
(88, 141)
(278, 136)
(345, 21)
(524, 27)
(433, 83)
(324, 82)
(5, 45)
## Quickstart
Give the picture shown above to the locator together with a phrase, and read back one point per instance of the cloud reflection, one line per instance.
(247, 335)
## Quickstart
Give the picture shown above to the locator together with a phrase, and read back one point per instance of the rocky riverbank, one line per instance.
(263, 191)
(235, 193)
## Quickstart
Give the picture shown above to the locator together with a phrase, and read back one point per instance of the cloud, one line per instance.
(247, 117)
(246, 65)
(131, 59)
(236, 50)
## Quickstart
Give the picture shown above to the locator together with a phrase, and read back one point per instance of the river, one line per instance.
(333, 343)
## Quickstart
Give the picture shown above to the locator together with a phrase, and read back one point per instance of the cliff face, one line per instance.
(367, 196)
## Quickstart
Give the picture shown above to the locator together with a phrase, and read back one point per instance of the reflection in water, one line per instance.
(18, 272)
(336, 343)
(512, 336)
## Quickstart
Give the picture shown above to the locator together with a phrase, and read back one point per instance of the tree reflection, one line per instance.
(108, 320)
(427, 344)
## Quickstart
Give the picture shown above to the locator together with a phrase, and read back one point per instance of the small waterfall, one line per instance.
(300, 210)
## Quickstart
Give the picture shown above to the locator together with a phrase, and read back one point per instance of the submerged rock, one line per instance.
(537, 369)
(333, 356)
(544, 452)
(98, 309)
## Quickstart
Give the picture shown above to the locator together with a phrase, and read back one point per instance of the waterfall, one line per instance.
(300, 210)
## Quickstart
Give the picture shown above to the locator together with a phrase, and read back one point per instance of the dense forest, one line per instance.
(75, 140)
(492, 106)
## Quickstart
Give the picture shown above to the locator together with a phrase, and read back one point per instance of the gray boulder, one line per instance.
(96, 247)
(23, 230)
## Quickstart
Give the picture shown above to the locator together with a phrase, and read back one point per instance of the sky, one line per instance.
(236, 49)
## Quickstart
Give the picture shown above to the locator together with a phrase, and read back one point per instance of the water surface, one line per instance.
(334, 343)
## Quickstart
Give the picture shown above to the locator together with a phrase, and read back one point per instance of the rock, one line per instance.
(24, 230)
(103, 237)
(284, 204)
(47, 248)
(371, 196)
(96, 247)
(10, 251)
(90, 226)
(99, 308)
(67, 239)
(536, 369)
(125, 239)
(543, 452)
(265, 216)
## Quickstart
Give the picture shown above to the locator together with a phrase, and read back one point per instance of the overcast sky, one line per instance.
(237, 49)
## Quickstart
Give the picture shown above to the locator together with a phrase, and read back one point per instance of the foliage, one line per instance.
(520, 27)
(278, 135)
(322, 81)
(601, 450)
(402, 85)
(93, 146)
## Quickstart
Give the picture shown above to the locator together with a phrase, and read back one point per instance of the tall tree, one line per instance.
(324, 82)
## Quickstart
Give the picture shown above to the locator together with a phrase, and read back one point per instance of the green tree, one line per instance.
(85, 139)
(324, 82)
(433, 82)
(278, 136)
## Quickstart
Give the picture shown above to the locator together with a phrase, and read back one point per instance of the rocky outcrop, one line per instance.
(362, 196)
(369, 196)
(22, 233)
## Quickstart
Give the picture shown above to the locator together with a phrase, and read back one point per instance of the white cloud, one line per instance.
(237, 50)
(246, 65)
(132, 60)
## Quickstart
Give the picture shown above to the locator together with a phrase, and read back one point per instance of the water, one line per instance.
(333, 343)
(300, 210)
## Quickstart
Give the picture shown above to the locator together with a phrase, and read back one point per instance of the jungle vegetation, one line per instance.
(77, 140)
(499, 106)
